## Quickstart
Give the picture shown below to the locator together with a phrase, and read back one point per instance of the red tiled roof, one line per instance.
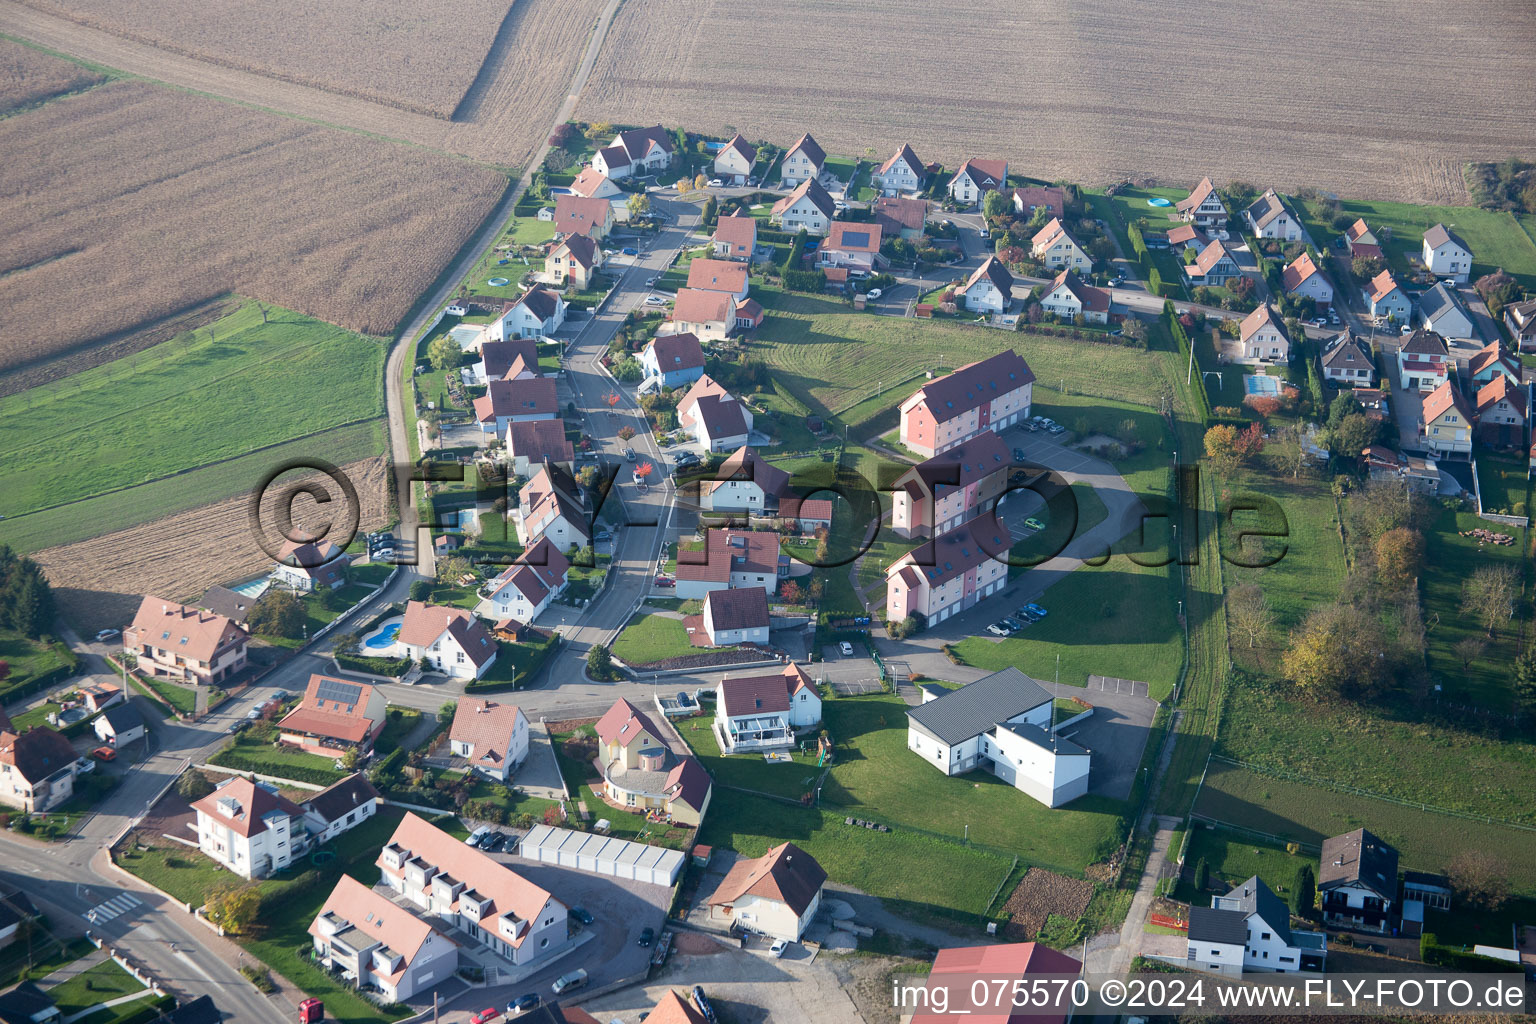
(424, 624)
(677, 351)
(700, 306)
(813, 509)
(1443, 399)
(984, 174)
(1201, 193)
(377, 917)
(578, 215)
(623, 723)
(1094, 300)
(786, 874)
(737, 230)
(487, 726)
(588, 182)
(957, 393)
(810, 189)
(1264, 314)
(895, 213)
(746, 464)
(717, 275)
(966, 463)
(194, 634)
(955, 969)
(747, 551)
(1299, 270)
(539, 439)
(252, 805)
(747, 695)
(904, 151)
(853, 236)
(1500, 389)
(1382, 285)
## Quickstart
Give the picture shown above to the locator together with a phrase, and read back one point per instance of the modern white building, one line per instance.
(1357, 880)
(802, 162)
(763, 712)
(736, 616)
(1446, 255)
(989, 289)
(446, 640)
(734, 160)
(1249, 931)
(528, 586)
(901, 172)
(249, 828)
(372, 941)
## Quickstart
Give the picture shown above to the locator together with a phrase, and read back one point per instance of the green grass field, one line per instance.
(27, 659)
(1505, 483)
(1233, 858)
(651, 638)
(272, 760)
(1451, 559)
(1427, 840)
(1311, 566)
(1495, 237)
(96, 984)
(749, 771)
(182, 698)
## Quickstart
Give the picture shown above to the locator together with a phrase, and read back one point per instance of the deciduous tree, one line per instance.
(1479, 878)
(1525, 682)
(1248, 612)
(444, 353)
(236, 908)
(1338, 650)
(277, 613)
(1399, 556)
(1489, 596)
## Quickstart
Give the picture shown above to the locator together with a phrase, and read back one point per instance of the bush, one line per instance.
(193, 785)
(421, 590)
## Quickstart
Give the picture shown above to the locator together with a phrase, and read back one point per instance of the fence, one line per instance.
(1493, 517)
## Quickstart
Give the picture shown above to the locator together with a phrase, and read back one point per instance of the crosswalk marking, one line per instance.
(105, 911)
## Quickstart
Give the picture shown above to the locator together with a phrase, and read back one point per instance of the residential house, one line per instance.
(15, 907)
(901, 172)
(594, 184)
(744, 483)
(37, 768)
(1494, 360)
(307, 566)
(672, 1008)
(1069, 297)
(1262, 338)
(734, 160)
(901, 217)
(776, 895)
(491, 735)
(28, 1004)
(808, 206)
(1373, 403)
(478, 897)
(1249, 929)
(340, 806)
(530, 443)
(636, 153)
(1303, 279)
(1445, 427)
(1055, 247)
(1442, 311)
(1020, 966)
(802, 162)
(976, 178)
(507, 360)
(674, 359)
(335, 715)
(1421, 475)
(1187, 236)
(1423, 362)
(550, 505)
(578, 215)
(1422, 891)
(573, 261)
(1000, 723)
(952, 487)
(641, 773)
(989, 289)
(1347, 362)
(950, 573)
(100, 695)
(1520, 318)
(1446, 255)
(231, 604)
(537, 313)
(712, 315)
(1269, 217)
(1357, 880)
(725, 276)
(1028, 199)
(717, 419)
(854, 246)
(119, 725)
(735, 237)
(736, 616)
(1362, 241)
(992, 394)
(365, 936)
(1385, 299)
(1202, 207)
(1501, 413)
(807, 515)
(446, 640)
(1213, 267)
(175, 642)
(250, 828)
(522, 400)
(528, 586)
(764, 712)
(731, 559)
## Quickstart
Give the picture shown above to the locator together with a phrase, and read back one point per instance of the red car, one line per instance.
(485, 1016)
(665, 581)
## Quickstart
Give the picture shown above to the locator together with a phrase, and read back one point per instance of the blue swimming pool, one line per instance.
(384, 637)
(1261, 384)
(253, 588)
(713, 147)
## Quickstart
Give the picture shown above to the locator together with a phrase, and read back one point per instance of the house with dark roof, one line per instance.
(28, 1004)
(1001, 723)
(744, 482)
(763, 712)
(1446, 255)
(642, 773)
(538, 312)
(522, 400)
(635, 153)
(853, 246)
(1494, 360)
(491, 735)
(989, 289)
(1502, 413)
(775, 895)
(1202, 207)
(552, 505)
(1070, 297)
(231, 604)
(579, 216)
(15, 907)
(735, 237)
(731, 559)
(574, 259)
(1249, 931)
(1357, 879)
(340, 806)
(119, 725)
(1442, 311)
(526, 587)
(954, 486)
(901, 172)
(901, 217)
(802, 162)
(531, 443)
(1269, 217)
(808, 206)
(1520, 318)
(1347, 362)
(37, 768)
(975, 178)
(806, 515)
(1424, 362)
(737, 616)
(308, 566)
(674, 359)
(1213, 267)
(716, 418)
(991, 394)
(250, 828)
(334, 715)
(447, 640)
(1385, 298)
(734, 160)
(507, 360)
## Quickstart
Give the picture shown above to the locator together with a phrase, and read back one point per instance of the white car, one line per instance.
(846, 648)
(716, 183)
(1405, 329)
(873, 293)
(655, 300)
(777, 949)
(84, 766)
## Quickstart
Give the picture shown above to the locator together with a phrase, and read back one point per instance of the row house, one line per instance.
(951, 488)
(950, 573)
(992, 394)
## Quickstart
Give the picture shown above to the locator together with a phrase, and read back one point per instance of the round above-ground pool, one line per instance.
(383, 638)
(72, 716)
(1159, 201)
(498, 282)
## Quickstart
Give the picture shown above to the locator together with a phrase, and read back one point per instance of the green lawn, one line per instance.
(96, 984)
(321, 608)
(651, 638)
(1427, 840)
(749, 771)
(373, 574)
(515, 662)
(188, 402)
(1495, 237)
(27, 659)
(250, 754)
(1450, 560)
(1505, 484)
(1231, 859)
(1090, 507)
(398, 722)
(182, 698)
(1311, 565)
(47, 955)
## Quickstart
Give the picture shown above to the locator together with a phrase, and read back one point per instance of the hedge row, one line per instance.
(393, 667)
(1431, 952)
(1181, 339)
(233, 758)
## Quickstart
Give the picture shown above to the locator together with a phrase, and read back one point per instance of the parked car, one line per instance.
(996, 629)
(603, 535)
(687, 459)
(485, 1016)
(1010, 625)
(630, 250)
(647, 936)
(1056, 428)
(493, 842)
(253, 714)
(701, 1001)
(1405, 329)
(1037, 609)
(1018, 455)
(524, 1003)
(1027, 615)
(777, 949)
(581, 914)
(280, 695)
(716, 183)
(846, 648)
(1319, 321)
(476, 837)
(665, 581)
(85, 766)
(1034, 524)
(236, 727)
(566, 982)
(655, 300)
(104, 754)
(107, 634)
(874, 293)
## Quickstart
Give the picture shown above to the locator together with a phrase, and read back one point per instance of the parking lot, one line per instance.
(1115, 734)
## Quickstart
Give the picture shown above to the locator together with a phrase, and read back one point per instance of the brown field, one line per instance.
(421, 56)
(153, 201)
(1337, 94)
(98, 582)
(504, 117)
(28, 77)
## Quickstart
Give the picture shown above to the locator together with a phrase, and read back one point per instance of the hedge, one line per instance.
(48, 679)
(1181, 339)
(1431, 952)
(392, 667)
(233, 758)
(805, 280)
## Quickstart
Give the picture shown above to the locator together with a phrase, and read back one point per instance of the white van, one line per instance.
(566, 982)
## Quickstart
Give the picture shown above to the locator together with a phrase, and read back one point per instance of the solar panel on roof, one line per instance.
(338, 690)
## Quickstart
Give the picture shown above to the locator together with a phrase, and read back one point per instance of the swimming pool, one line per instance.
(1159, 201)
(713, 147)
(253, 588)
(466, 335)
(1261, 384)
(561, 192)
(385, 637)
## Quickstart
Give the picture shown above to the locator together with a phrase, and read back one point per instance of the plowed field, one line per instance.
(28, 76)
